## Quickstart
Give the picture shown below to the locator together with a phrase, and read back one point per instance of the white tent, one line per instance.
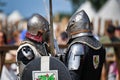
(14, 17)
(110, 11)
(88, 8)
(2, 16)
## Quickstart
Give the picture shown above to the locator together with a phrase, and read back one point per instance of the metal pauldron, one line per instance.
(74, 57)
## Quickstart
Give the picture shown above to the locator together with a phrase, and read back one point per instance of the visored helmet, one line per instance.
(37, 23)
(79, 23)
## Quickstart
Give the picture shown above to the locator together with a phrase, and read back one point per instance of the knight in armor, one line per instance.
(85, 55)
(35, 44)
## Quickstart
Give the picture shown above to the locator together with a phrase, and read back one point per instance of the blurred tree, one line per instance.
(97, 4)
(58, 17)
(76, 4)
(2, 4)
(62, 15)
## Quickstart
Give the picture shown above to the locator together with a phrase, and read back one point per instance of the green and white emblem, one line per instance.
(45, 75)
(96, 61)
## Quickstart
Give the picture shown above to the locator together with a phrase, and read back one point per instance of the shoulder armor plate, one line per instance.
(75, 52)
(91, 42)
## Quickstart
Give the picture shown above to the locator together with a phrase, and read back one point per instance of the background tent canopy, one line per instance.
(14, 16)
(111, 10)
(88, 8)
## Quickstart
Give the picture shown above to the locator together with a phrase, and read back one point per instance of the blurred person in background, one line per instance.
(62, 39)
(113, 71)
(10, 58)
(109, 38)
(22, 34)
(3, 39)
(57, 31)
(7, 72)
(117, 32)
(111, 33)
(16, 38)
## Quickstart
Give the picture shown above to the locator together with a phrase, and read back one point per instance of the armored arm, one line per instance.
(74, 56)
(26, 52)
(75, 53)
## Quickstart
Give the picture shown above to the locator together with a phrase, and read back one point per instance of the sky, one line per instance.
(29, 7)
